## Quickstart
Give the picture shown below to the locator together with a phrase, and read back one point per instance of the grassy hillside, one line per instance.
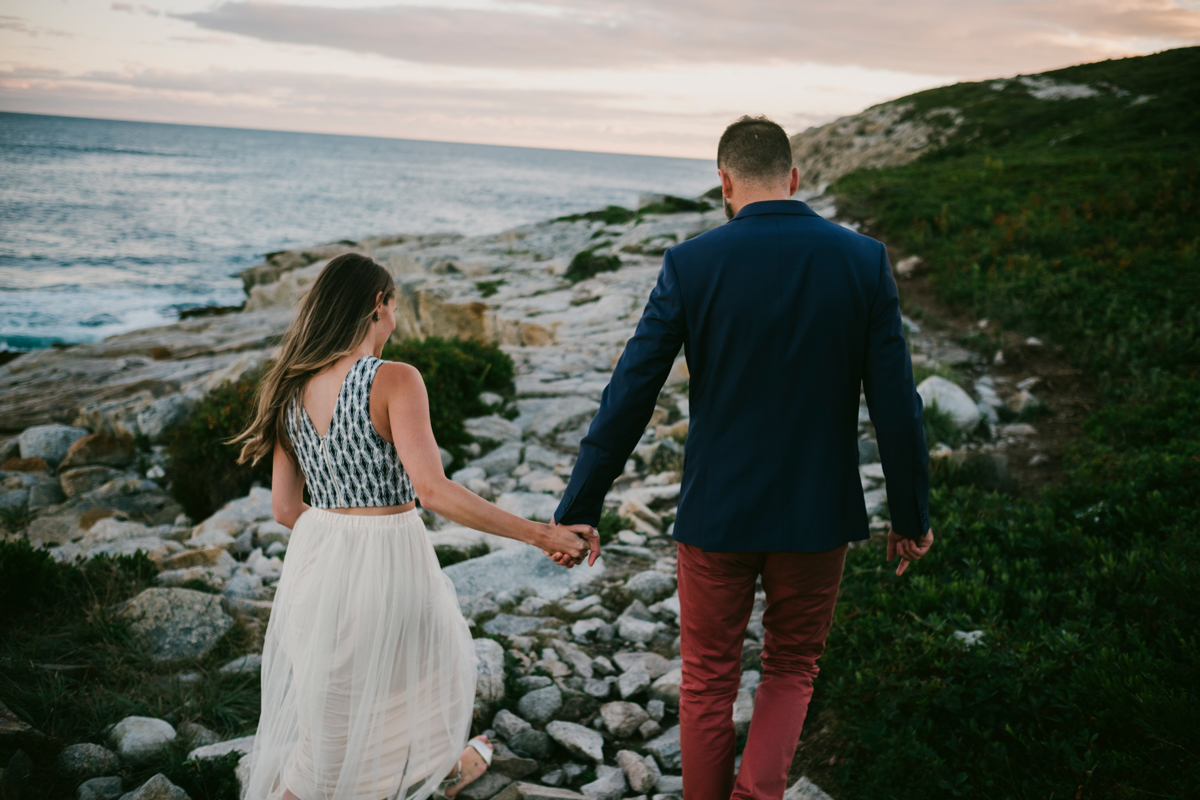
(1077, 220)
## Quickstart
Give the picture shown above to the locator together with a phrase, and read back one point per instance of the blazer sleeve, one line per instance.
(896, 410)
(628, 401)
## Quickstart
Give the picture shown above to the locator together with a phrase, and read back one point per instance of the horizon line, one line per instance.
(350, 135)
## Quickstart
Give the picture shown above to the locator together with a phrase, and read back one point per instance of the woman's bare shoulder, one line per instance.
(398, 376)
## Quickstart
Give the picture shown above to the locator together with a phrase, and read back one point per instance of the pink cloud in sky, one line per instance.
(952, 37)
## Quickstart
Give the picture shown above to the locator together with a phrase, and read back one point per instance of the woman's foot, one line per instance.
(473, 766)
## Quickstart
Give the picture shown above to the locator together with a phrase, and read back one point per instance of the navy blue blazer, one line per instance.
(783, 315)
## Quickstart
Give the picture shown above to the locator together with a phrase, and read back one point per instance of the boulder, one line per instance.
(157, 788)
(950, 398)
(651, 586)
(534, 744)
(666, 688)
(140, 739)
(84, 479)
(609, 784)
(541, 705)
(489, 680)
(492, 430)
(529, 505)
(207, 752)
(506, 762)
(100, 789)
(520, 566)
(107, 449)
(578, 740)
(154, 419)
(50, 442)
(175, 623)
(196, 735)
(78, 762)
(665, 749)
(622, 718)
(486, 786)
(641, 772)
(508, 724)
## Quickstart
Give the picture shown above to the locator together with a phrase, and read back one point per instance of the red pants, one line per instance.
(716, 596)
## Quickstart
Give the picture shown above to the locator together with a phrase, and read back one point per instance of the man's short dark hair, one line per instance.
(755, 149)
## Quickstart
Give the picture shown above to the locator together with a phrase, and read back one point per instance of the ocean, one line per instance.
(109, 226)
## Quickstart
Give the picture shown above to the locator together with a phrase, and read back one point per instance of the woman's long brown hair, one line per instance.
(333, 320)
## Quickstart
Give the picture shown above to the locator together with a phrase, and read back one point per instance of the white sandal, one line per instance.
(485, 751)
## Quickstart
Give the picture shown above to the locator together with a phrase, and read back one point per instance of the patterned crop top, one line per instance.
(352, 466)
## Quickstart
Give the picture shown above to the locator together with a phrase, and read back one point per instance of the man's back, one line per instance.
(783, 316)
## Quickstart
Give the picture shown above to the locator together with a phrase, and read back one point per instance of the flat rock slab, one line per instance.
(517, 567)
(175, 623)
(581, 741)
(243, 745)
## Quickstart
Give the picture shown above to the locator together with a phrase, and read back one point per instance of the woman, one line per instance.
(368, 678)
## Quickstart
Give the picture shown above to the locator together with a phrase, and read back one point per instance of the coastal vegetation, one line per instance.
(587, 264)
(1047, 646)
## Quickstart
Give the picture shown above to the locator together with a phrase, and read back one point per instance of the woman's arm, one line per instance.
(408, 415)
(287, 488)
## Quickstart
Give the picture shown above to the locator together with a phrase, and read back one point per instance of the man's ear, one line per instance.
(726, 183)
(795, 182)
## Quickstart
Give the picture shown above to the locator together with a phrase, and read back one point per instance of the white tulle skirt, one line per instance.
(368, 676)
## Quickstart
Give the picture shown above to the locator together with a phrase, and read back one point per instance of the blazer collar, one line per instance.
(797, 207)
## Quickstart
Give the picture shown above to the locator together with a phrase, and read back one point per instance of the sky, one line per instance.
(656, 77)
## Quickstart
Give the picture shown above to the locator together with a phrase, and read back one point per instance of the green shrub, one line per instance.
(202, 470)
(455, 372)
(611, 523)
(489, 288)
(586, 264)
(940, 427)
(15, 517)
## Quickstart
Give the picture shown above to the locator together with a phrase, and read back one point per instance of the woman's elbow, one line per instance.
(430, 493)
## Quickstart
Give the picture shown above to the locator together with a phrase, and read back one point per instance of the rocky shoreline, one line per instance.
(579, 670)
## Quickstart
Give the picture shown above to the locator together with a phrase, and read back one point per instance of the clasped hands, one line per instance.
(569, 545)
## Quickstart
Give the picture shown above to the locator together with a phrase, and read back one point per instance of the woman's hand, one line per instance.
(907, 549)
(584, 542)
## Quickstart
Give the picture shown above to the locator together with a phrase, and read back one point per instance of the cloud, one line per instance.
(969, 38)
(9, 23)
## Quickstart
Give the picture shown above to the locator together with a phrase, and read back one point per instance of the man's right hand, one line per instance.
(907, 549)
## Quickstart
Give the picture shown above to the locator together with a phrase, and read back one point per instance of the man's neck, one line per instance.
(745, 199)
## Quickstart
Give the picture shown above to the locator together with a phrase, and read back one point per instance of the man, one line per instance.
(783, 316)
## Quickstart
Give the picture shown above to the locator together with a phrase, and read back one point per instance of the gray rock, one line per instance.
(100, 789)
(43, 494)
(78, 762)
(243, 665)
(504, 569)
(622, 718)
(634, 680)
(651, 586)
(670, 784)
(175, 623)
(609, 784)
(494, 429)
(208, 752)
(750, 680)
(532, 682)
(592, 630)
(560, 415)
(243, 586)
(743, 710)
(489, 680)
(535, 744)
(656, 709)
(868, 451)
(636, 630)
(529, 505)
(139, 739)
(655, 664)
(154, 419)
(488, 785)
(84, 479)
(508, 724)
(506, 762)
(509, 625)
(466, 475)
(531, 791)
(649, 729)
(540, 705)
(951, 399)
(641, 772)
(157, 788)
(578, 740)
(1023, 400)
(14, 497)
(503, 459)
(804, 789)
(580, 661)
(597, 688)
(665, 749)
(50, 442)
